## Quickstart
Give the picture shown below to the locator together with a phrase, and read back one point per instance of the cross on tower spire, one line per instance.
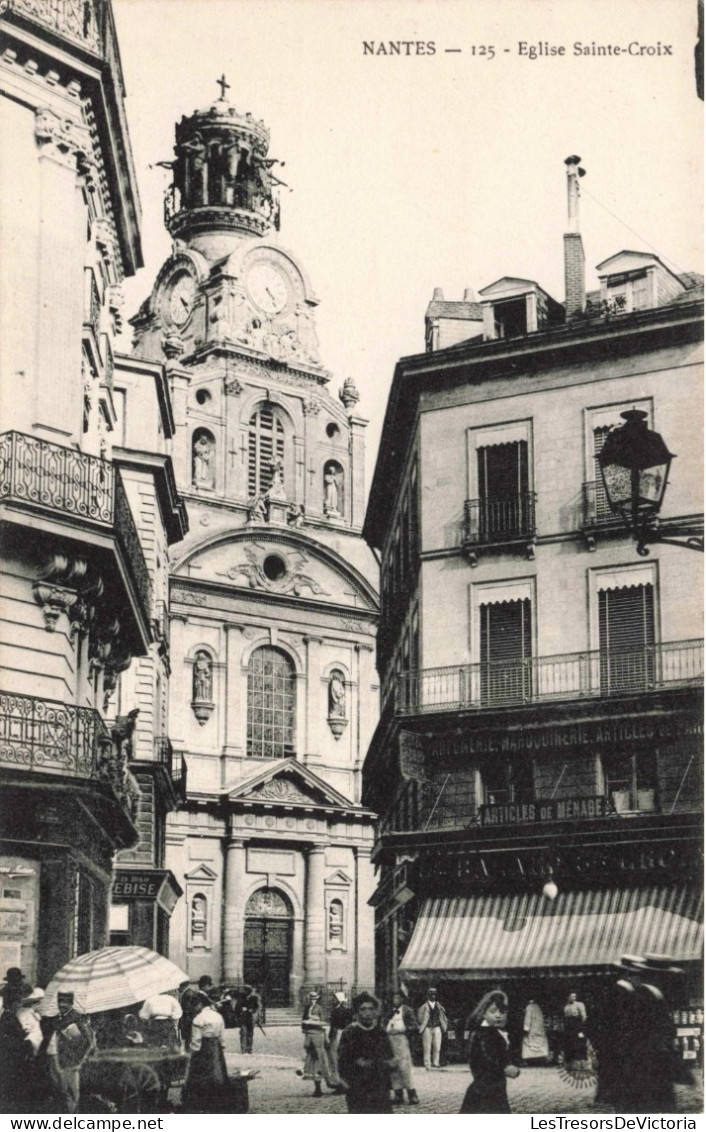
(223, 85)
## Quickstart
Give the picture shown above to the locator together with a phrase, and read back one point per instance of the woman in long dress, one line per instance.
(207, 1086)
(535, 1046)
(489, 1055)
(400, 1022)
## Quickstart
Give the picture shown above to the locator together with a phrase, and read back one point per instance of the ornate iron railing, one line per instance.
(567, 676)
(174, 762)
(499, 520)
(595, 509)
(426, 805)
(47, 736)
(67, 482)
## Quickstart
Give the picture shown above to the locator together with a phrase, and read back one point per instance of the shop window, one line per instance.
(626, 630)
(271, 704)
(631, 781)
(505, 782)
(506, 652)
(265, 448)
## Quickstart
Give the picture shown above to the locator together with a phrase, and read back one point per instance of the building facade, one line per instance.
(273, 602)
(77, 570)
(538, 763)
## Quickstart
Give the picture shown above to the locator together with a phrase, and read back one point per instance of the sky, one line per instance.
(418, 170)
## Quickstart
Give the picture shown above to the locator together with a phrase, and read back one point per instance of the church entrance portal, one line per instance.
(267, 952)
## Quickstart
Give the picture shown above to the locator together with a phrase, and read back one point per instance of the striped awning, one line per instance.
(485, 937)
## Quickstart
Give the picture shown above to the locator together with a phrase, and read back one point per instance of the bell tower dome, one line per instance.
(223, 187)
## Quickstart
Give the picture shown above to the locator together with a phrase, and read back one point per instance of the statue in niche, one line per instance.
(203, 676)
(197, 167)
(276, 488)
(198, 918)
(337, 695)
(204, 450)
(332, 490)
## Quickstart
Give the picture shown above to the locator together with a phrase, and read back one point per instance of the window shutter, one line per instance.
(626, 632)
(265, 445)
(506, 646)
(503, 486)
(603, 510)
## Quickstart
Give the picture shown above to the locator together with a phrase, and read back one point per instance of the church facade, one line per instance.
(273, 604)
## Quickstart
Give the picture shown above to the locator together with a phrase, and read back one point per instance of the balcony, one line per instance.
(59, 482)
(499, 522)
(174, 763)
(428, 806)
(537, 680)
(47, 737)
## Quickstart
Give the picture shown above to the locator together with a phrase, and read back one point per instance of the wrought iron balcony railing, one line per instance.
(595, 509)
(52, 478)
(49, 737)
(174, 762)
(567, 676)
(489, 521)
(426, 805)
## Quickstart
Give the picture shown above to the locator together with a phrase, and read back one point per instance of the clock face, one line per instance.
(180, 301)
(268, 288)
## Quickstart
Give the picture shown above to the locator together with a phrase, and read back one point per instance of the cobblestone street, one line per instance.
(278, 1089)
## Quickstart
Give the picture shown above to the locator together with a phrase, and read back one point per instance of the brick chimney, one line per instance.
(574, 259)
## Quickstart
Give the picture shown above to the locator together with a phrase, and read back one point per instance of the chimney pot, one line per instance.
(469, 295)
(438, 295)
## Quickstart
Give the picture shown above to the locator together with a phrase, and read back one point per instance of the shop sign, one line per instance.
(133, 885)
(558, 737)
(168, 894)
(551, 809)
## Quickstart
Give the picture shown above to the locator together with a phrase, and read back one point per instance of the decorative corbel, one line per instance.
(54, 601)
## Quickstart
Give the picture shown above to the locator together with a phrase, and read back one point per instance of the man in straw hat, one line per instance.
(645, 1073)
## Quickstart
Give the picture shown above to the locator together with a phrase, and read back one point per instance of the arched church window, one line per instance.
(265, 448)
(203, 459)
(271, 704)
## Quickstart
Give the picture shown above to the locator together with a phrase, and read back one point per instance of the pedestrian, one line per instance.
(612, 1039)
(317, 1065)
(15, 988)
(399, 1024)
(191, 1003)
(535, 1046)
(161, 1014)
(647, 1067)
(70, 1042)
(433, 1024)
(341, 1016)
(207, 1085)
(365, 1059)
(248, 1016)
(575, 1040)
(18, 1051)
(489, 1056)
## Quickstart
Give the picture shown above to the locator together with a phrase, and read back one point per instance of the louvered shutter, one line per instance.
(602, 507)
(265, 445)
(505, 651)
(626, 631)
(503, 483)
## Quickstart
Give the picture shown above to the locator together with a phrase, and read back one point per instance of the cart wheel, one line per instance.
(139, 1088)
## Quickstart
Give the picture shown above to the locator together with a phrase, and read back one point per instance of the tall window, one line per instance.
(271, 704)
(265, 446)
(630, 780)
(626, 632)
(503, 490)
(505, 652)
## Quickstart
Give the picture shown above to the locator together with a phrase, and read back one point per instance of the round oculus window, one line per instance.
(274, 567)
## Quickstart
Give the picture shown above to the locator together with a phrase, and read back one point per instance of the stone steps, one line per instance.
(283, 1016)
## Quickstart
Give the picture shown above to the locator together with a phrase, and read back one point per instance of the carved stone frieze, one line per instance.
(232, 385)
(292, 580)
(64, 139)
(311, 406)
(282, 790)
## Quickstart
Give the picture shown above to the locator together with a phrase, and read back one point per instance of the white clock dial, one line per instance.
(268, 288)
(181, 300)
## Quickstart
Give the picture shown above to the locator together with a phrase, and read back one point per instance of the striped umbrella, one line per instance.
(112, 977)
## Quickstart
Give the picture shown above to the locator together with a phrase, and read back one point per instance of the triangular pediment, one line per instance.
(508, 283)
(288, 783)
(202, 873)
(339, 877)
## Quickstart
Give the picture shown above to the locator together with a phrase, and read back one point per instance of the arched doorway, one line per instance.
(267, 950)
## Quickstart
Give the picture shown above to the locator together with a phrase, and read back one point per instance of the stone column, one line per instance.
(365, 919)
(234, 695)
(315, 716)
(314, 923)
(233, 908)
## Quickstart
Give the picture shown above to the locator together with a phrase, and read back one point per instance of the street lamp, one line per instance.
(635, 465)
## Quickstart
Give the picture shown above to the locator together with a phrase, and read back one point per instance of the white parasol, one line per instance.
(112, 977)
